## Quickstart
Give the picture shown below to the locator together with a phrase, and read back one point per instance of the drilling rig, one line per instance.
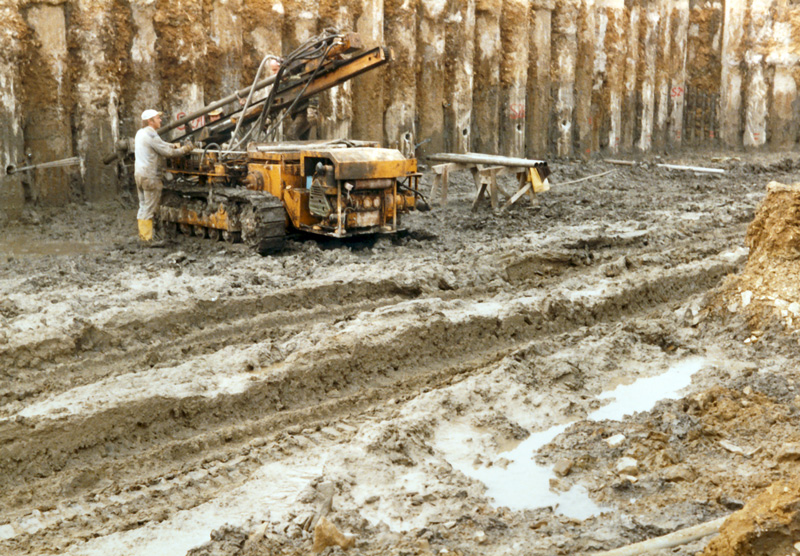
(241, 183)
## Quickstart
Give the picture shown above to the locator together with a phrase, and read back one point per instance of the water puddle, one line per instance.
(521, 483)
(514, 480)
(643, 394)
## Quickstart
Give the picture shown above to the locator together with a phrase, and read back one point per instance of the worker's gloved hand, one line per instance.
(187, 147)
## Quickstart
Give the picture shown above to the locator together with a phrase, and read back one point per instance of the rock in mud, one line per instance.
(615, 268)
(562, 467)
(676, 473)
(225, 541)
(616, 440)
(789, 452)
(768, 525)
(326, 534)
(627, 466)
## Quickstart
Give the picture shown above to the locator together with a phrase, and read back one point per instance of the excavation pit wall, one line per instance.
(510, 77)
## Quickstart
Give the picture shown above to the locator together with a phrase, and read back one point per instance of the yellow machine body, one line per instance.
(333, 188)
(331, 191)
(359, 190)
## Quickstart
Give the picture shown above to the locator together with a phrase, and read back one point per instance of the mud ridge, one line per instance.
(34, 447)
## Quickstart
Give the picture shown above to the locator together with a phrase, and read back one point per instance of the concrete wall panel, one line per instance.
(538, 115)
(401, 84)
(49, 103)
(514, 31)
(430, 85)
(732, 75)
(486, 69)
(565, 55)
(12, 148)
(368, 97)
(757, 87)
(336, 105)
(589, 79)
(460, 51)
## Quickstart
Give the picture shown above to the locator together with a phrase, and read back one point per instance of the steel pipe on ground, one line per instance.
(478, 158)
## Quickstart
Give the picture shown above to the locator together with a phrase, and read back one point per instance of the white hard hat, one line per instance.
(147, 114)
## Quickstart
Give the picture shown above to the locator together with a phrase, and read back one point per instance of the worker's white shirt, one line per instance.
(149, 150)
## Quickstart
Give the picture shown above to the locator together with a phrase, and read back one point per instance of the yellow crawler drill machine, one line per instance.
(242, 184)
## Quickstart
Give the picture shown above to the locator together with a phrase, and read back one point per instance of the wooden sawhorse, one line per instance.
(529, 181)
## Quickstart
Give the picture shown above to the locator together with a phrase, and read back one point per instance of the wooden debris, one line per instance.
(485, 170)
(677, 538)
(586, 178)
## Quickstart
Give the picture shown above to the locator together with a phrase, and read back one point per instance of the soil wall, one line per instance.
(534, 78)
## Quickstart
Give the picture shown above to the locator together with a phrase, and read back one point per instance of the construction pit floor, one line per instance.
(565, 378)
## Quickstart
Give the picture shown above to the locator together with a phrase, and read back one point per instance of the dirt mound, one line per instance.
(775, 231)
(768, 525)
(768, 288)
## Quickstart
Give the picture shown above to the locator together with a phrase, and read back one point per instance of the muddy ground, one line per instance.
(559, 379)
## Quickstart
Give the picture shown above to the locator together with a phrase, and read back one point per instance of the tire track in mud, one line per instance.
(168, 436)
(95, 352)
(200, 328)
(225, 459)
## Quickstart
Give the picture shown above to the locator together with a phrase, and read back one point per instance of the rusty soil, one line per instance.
(599, 369)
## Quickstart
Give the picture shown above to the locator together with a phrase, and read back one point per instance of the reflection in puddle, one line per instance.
(524, 484)
(644, 393)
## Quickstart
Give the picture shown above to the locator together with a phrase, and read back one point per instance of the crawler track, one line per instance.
(231, 214)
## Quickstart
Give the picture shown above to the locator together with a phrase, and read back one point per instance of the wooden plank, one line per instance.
(493, 189)
(481, 191)
(586, 178)
(475, 179)
(441, 176)
(486, 182)
(527, 177)
(437, 182)
(445, 179)
(450, 166)
(677, 538)
(518, 195)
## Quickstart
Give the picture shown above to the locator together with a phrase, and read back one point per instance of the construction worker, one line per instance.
(214, 115)
(150, 149)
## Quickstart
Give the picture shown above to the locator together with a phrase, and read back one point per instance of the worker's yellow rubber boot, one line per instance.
(146, 230)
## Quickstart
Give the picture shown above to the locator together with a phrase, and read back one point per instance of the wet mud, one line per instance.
(467, 387)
